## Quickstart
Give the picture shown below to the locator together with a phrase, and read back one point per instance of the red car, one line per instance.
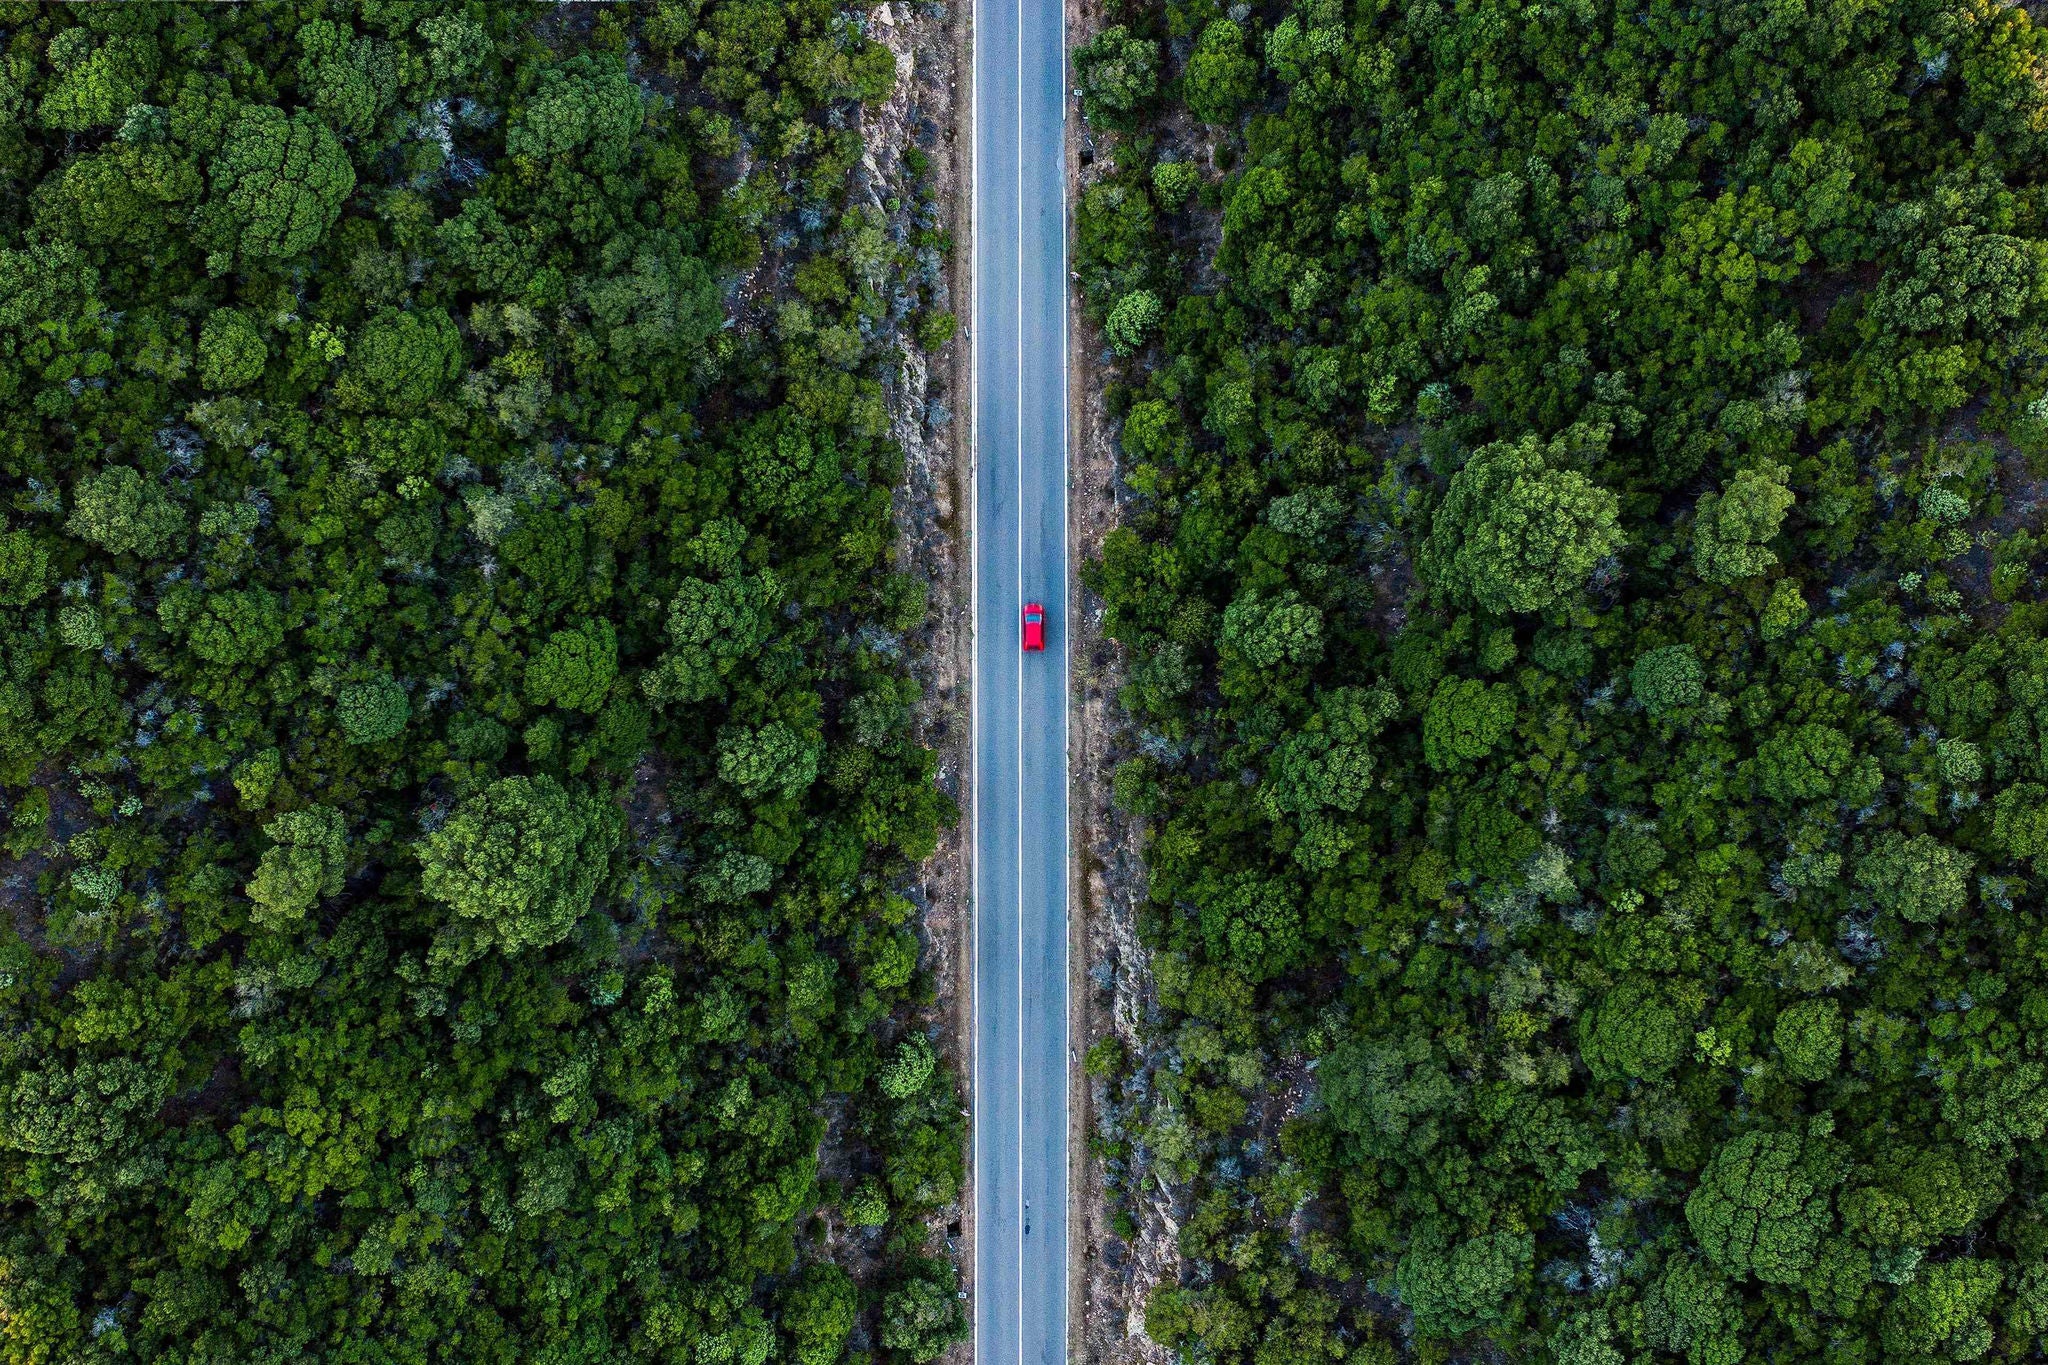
(1034, 626)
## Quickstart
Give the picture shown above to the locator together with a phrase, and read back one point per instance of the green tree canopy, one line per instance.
(1220, 74)
(278, 182)
(1456, 1285)
(772, 760)
(921, 1313)
(711, 628)
(586, 104)
(1632, 1033)
(372, 709)
(1732, 529)
(1515, 533)
(1668, 679)
(1136, 316)
(100, 81)
(1943, 1314)
(1920, 877)
(401, 360)
(1117, 73)
(231, 350)
(576, 668)
(24, 568)
(351, 79)
(518, 863)
(1809, 1038)
(1763, 1203)
(303, 865)
(819, 1314)
(1465, 720)
(123, 513)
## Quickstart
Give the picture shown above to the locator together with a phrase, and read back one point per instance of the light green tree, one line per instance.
(257, 775)
(303, 865)
(96, 883)
(921, 1313)
(242, 626)
(712, 627)
(1942, 1313)
(456, 46)
(771, 760)
(2019, 822)
(1221, 76)
(819, 1313)
(1784, 612)
(575, 669)
(518, 863)
(1762, 1203)
(1994, 1109)
(1173, 182)
(278, 183)
(1134, 318)
(1668, 679)
(1151, 429)
(1117, 73)
(908, 1074)
(1465, 720)
(372, 709)
(1517, 534)
(1586, 1338)
(24, 568)
(1959, 762)
(1632, 1033)
(123, 513)
(1732, 529)
(867, 1206)
(231, 350)
(1920, 878)
(97, 83)
(1809, 1038)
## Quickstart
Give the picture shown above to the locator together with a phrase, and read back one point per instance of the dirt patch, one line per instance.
(928, 402)
(1111, 987)
(2019, 495)
(21, 896)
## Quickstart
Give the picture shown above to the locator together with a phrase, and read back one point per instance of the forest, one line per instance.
(456, 722)
(1586, 682)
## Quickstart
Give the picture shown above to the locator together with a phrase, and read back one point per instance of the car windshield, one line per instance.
(1033, 617)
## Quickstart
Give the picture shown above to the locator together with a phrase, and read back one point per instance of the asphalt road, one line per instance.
(1020, 700)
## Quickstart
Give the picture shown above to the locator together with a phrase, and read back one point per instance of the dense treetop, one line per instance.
(454, 714)
(1645, 404)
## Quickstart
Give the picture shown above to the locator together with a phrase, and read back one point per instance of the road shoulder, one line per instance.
(932, 418)
(1110, 980)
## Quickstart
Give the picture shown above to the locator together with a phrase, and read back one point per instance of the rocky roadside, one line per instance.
(1113, 1270)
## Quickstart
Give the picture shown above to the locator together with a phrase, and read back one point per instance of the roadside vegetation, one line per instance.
(455, 726)
(1582, 471)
